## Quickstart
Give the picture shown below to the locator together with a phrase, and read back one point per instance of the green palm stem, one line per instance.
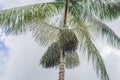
(62, 53)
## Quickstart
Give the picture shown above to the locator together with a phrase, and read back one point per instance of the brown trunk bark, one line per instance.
(65, 13)
(62, 65)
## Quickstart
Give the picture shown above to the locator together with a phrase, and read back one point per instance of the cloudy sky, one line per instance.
(20, 55)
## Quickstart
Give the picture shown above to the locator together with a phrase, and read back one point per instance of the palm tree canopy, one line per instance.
(84, 19)
(82, 9)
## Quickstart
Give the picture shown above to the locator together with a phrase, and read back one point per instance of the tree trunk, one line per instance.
(62, 65)
(65, 13)
(62, 53)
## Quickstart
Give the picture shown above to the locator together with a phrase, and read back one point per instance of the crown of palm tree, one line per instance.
(84, 19)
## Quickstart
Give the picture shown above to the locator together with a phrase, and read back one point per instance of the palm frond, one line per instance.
(98, 27)
(44, 33)
(77, 11)
(98, 63)
(104, 9)
(106, 32)
(99, 8)
(17, 19)
(87, 46)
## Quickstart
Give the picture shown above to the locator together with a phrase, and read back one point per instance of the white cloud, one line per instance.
(24, 60)
(113, 66)
(114, 25)
(16, 3)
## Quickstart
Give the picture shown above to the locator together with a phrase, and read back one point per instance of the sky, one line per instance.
(20, 55)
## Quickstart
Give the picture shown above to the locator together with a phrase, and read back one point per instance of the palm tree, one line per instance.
(78, 29)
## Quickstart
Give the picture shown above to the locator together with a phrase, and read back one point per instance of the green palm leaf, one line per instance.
(106, 32)
(17, 19)
(98, 63)
(102, 9)
(96, 26)
(87, 46)
(44, 33)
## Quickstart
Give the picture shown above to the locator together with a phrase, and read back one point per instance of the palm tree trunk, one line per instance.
(62, 65)
(65, 13)
(62, 53)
